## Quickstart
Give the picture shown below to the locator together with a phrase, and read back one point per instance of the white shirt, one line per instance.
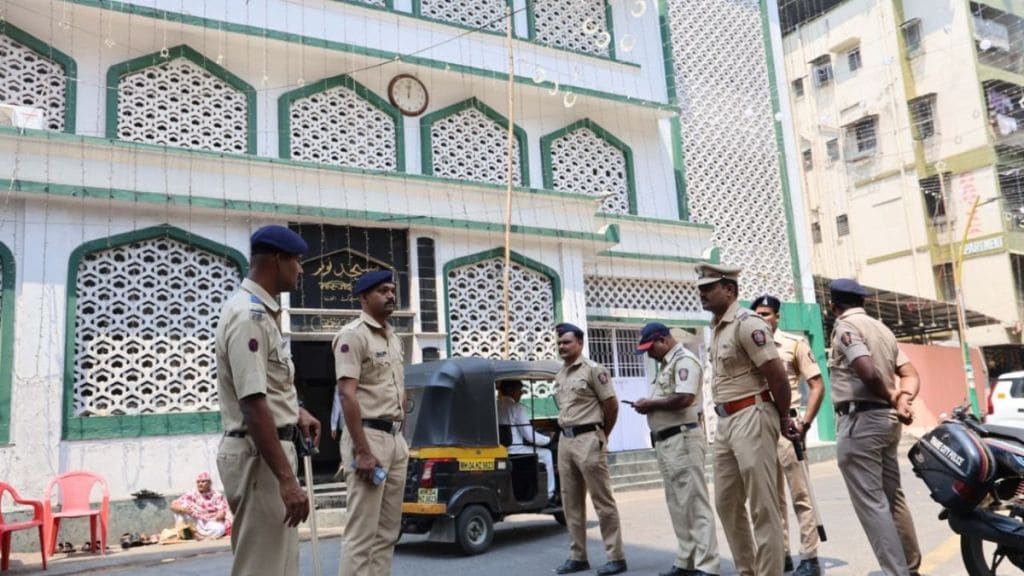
(512, 413)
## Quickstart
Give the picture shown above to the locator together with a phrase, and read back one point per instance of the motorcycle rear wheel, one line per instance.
(982, 558)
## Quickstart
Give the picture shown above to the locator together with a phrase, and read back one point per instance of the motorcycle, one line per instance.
(976, 472)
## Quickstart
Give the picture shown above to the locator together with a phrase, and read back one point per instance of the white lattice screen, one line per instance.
(484, 14)
(732, 156)
(641, 294)
(580, 25)
(583, 162)
(28, 78)
(476, 312)
(145, 315)
(339, 127)
(178, 103)
(469, 145)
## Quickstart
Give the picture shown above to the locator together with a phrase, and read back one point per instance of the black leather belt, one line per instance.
(574, 431)
(287, 433)
(852, 407)
(667, 433)
(382, 425)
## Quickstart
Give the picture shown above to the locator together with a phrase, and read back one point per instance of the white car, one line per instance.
(1006, 400)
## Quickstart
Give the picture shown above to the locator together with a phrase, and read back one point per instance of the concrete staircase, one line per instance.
(634, 470)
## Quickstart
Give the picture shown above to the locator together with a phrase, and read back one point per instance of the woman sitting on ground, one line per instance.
(204, 510)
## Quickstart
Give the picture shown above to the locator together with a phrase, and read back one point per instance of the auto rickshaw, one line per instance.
(461, 478)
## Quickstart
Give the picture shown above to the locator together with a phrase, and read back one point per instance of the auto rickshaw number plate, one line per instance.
(427, 496)
(475, 465)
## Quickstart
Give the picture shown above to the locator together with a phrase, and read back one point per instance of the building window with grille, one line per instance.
(912, 36)
(945, 286)
(808, 160)
(922, 116)
(615, 349)
(934, 201)
(842, 225)
(853, 59)
(821, 70)
(832, 148)
(816, 232)
(798, 88)
(861, 138)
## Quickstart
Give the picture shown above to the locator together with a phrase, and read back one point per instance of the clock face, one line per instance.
(408, 94)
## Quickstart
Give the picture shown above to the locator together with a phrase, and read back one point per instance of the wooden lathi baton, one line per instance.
(798, 447)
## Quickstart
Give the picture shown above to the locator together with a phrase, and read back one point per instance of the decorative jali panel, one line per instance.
(469, 145)
(476, 312)
(580, 25)
(484, 14)
(583, 162)
(641, 294)
(179, 103)
(732, 157)
(145, 315)
(339, 127)
(28, 78)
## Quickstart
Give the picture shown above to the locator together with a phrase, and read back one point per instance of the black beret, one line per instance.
(275, 238)
(371, 280)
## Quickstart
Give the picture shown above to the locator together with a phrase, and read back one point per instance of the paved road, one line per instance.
(535, 544)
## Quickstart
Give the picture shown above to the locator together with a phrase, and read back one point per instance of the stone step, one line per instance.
(634, 478)
(637, 486)
(631, 456)
(623, 469)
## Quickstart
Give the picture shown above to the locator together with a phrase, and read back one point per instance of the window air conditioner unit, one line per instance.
(21, 117)
(996, 34)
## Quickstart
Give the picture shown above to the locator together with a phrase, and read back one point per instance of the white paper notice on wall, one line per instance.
(21, 116)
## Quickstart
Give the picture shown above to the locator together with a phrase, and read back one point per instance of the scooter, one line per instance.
(976, 472)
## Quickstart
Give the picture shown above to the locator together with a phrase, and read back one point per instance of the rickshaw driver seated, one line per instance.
(525, 440)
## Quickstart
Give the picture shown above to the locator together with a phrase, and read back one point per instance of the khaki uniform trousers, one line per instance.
(681, 460)
(261, 542)
(583, 467)
(746, 466)
(867, 455)
(792, 473)
(374, 513)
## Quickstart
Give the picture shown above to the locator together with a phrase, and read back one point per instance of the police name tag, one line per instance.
(427, 496)
(476, 465)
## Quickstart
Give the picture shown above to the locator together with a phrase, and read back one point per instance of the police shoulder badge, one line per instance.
(759, 338)
(603, 377)
(846, 338)
(344, 348)
(254, 345)
(684, 374)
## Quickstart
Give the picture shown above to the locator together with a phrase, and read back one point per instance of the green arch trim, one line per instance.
(529, 263)
(427, 123)
(549, 173)
(117, 71)
(284, 119)
(86, 428)
(7, 306)
(51, 53)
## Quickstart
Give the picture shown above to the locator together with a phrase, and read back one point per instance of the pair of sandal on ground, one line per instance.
(68, 547)
(132, 540)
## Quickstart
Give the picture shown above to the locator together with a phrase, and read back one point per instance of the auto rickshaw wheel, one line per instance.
(474, 529)
(560, 518)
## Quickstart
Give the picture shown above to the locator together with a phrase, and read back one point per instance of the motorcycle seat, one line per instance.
(1007, 432)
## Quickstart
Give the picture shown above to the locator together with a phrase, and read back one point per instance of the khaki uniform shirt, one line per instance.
(254, 358)
(579, 390)
(799, 360)
(680, 373)
(372, 354)
(856, 334)
(741, 342)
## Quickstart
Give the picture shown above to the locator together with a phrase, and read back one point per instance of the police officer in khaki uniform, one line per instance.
(800, 363)
(751, 395)
(678, 440)
(871, 405)
(587, 410)
(371, 381)
(260, 411)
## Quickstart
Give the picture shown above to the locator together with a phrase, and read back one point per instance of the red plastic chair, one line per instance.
(6, 529)
(75, 489)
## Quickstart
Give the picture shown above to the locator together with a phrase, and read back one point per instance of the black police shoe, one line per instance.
(808, 567)
(676, 571)
(613, 567)
(788, 566)
(571, 566)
